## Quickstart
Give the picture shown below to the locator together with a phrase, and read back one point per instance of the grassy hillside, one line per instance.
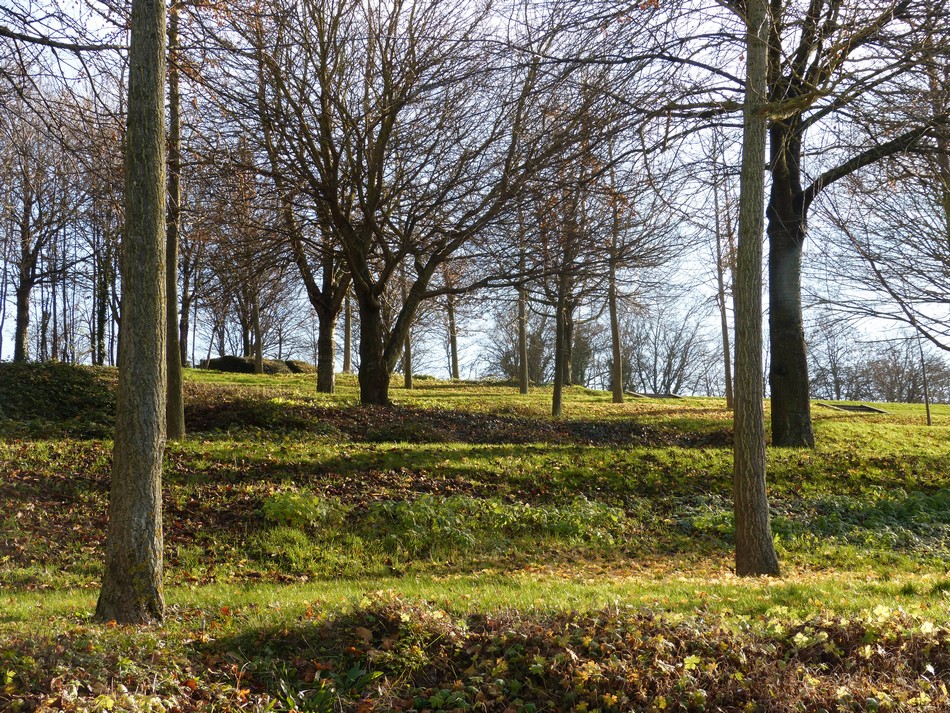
(461, 550)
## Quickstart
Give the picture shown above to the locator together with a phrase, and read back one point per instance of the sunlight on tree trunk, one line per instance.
(755, 553)
(132, 581)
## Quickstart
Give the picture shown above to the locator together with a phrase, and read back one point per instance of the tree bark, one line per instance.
(326, 354)
(21, 334)
(523, 380)
(132, 580)
(407, 360)
(184, 321)
(567, 368)
(102, 305)
(788, 365)
(258, 336)
(175, 405)
(374, 371)
(347, 335)
(559, 356)
(616, 349)
(453, 337)
(721, 291)
(755, 553)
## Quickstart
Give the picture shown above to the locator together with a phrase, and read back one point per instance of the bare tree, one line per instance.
(42, 200)
(414, 135)
(830, 62)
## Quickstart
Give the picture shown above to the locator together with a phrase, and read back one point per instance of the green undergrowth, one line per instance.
(491, 525)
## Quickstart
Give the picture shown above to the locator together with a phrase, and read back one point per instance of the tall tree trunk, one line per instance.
(374, 371)
(788, 364)
(175, 404)
(721, 291)
(328, 309)
(347, 335)
(44, 333)
(21, 334)
(559, 356)
(755, 553)
(184, 321)
(3, 302)
(453, 337)
(102, 306)
(53, 316)
(616, 349)
(523, 380)
(326, 353)
(567, 367)
(407, 360)
(258, 336)
(407, 340)
(132, 580)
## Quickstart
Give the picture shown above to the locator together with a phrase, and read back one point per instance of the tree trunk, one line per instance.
(102, 306)
(3, 301)
(721, 294)
(755, 553)
(523, 380)
(326, 353)
(53, 318)
(567, 367)
(21, 334)
(175, 406)
(347, 335)
(788, 361)
(616, 349)
(407, 360)
(374, 371)
(44, 333)
(726, 351)
(453, 337)
(132, 579)
(258, 336)
(559, 356)
(184, 321)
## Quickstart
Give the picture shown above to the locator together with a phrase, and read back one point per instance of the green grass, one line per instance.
(284, 508)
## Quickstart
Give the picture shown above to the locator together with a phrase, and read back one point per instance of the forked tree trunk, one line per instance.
(175, 406)
(755, 553)
(132, 579)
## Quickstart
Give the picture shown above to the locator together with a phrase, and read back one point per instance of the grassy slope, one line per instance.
(279, 513)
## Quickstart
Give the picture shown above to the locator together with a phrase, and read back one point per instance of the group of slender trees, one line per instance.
(409, 153)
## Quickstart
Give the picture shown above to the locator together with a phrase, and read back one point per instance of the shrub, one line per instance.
(304, 510)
